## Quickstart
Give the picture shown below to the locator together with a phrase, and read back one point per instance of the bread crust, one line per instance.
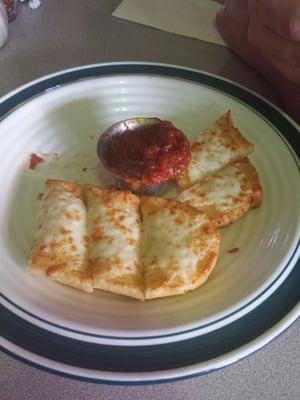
(226, 195)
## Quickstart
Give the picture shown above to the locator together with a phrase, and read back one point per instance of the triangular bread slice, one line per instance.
(228, 194)
(213, 149)
(179, 247)
(60, 247)
(114, 229)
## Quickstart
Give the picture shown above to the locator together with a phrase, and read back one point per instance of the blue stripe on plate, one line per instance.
(158, 336)
(266, 110)
(161, 357)
(170, 355)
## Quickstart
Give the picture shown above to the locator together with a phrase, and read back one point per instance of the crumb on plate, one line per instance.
(233, 250)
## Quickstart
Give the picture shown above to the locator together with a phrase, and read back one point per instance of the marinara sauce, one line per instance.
(149, 154)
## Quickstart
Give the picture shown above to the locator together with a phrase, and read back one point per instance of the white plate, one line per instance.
(64, 113)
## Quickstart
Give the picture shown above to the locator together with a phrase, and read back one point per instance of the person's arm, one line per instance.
(3, 24)
(266, 34)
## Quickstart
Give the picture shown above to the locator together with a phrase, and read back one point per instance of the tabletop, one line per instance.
(63, 34)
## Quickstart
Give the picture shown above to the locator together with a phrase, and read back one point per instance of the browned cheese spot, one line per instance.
(64, 231)
(132, 242)
(208, 229)
(86, 239)
(97, 234)
(53, 268)
(205, 265)
(156, 278)
(196, 146)
(72, 216)
(179, 220)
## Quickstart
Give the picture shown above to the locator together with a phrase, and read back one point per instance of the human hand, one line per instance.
(3, 24)
(274, 28)
(266, 34)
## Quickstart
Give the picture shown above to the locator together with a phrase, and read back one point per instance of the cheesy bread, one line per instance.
(114, 227)
(179, 247)
(60, 247)
(213, 149)
(148, 247)
(226, 195)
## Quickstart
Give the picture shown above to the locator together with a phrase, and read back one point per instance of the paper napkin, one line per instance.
(192, 18)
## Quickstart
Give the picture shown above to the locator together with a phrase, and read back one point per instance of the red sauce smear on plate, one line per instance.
(149, 154)
(35, 160)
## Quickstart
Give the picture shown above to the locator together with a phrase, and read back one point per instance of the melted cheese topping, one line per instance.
(179, 247)
(114, 234)
(226, 195)
(214, 149)
(60, 248)
(148, 247)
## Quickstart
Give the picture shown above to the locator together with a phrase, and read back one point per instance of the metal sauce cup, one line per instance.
(103, 143)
